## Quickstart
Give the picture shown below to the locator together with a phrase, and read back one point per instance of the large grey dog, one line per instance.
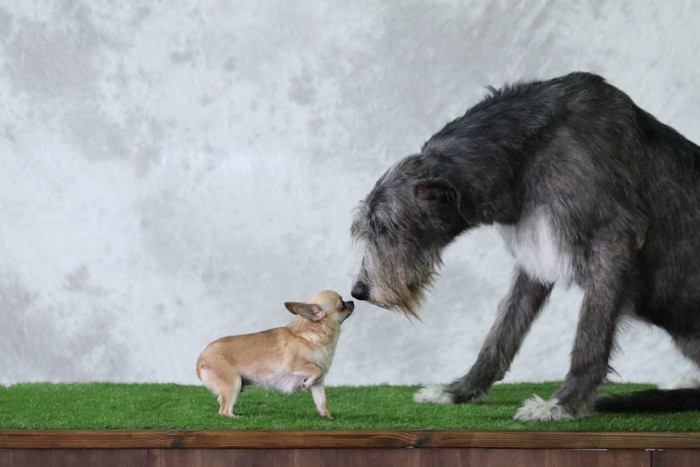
(586, 188)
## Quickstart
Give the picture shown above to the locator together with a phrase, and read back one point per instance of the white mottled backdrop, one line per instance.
(171, 172)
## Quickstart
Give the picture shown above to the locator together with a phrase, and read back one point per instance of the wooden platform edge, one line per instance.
(295, 439)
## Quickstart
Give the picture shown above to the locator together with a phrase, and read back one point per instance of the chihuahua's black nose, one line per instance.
(360, 291)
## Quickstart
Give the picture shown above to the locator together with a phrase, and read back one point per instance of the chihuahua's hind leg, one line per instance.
(224, 383)
(228, 396)
(319, 394)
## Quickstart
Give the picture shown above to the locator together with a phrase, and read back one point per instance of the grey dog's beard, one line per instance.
(397, 286)
(405, 301)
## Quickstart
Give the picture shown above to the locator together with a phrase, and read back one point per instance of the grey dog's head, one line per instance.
(407, 219)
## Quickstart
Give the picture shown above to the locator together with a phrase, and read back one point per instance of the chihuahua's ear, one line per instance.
(309, 311)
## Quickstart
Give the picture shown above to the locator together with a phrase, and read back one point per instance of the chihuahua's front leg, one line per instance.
(312, 374)
(319, 394)
(314, 380)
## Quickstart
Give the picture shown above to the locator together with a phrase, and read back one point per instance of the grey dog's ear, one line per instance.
(436, 190)
(309, 311)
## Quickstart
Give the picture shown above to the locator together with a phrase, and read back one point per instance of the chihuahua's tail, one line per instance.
(652, 400)
(201, 365)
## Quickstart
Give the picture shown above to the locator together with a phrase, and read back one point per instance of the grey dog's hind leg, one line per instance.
(515, 315)
(684, 395)
(600, 310)
(690, 348)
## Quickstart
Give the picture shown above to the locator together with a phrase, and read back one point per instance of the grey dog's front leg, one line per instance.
(515, 315)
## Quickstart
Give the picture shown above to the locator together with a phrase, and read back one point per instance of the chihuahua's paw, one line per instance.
(433, 394)
(538, 409)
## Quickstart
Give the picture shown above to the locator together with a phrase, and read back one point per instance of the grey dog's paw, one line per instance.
(447, 394)
(682, 383)
(433, 394)
(464, 393)
(538, 409)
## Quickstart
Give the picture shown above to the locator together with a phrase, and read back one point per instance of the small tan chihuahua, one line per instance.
(296, 356)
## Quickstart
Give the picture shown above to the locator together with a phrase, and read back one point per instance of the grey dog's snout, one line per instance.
(360, 291)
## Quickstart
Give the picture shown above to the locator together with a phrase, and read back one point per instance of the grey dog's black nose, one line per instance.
(360, 291)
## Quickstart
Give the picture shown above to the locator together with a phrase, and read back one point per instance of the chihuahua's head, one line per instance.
(326, 304)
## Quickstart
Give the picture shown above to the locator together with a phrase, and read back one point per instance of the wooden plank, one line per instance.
(595, 458)
(329, 457)
(675, 458)
(421, 457)
(205, 439)
(404, 457)
(551, 457)
(370, 457)
(289, 439)
(73, 457)
(221, 457)
(562, 439)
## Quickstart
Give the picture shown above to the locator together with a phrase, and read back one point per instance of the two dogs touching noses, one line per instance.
(586, 189)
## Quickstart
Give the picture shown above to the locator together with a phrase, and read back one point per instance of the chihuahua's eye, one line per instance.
(342, 304)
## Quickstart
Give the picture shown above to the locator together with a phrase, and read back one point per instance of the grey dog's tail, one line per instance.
(652, 400)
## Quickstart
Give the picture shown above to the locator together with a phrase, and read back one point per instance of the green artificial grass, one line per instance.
(171, 406)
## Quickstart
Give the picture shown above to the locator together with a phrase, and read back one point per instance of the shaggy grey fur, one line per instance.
(586, 188)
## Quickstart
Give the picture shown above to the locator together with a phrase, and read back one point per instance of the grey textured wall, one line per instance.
(171, 172)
